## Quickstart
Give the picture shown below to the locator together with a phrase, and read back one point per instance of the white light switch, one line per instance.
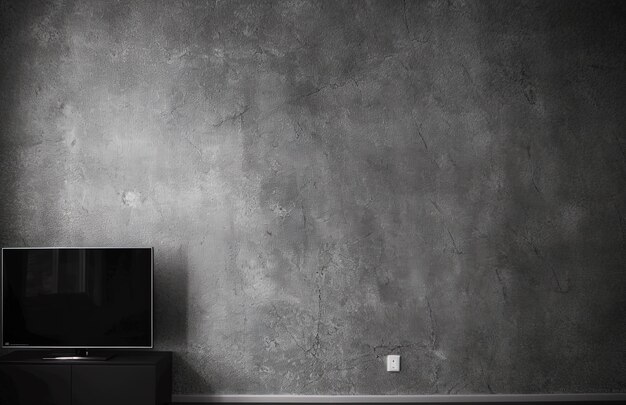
(393, 362)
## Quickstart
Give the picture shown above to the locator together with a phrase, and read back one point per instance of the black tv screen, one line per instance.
(77, 297)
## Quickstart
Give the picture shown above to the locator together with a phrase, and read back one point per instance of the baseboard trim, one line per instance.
(506, 398)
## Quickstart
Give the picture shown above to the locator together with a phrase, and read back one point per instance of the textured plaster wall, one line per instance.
(328, 182)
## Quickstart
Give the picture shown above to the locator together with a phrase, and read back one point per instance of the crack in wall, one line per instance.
(543, 260)
(433, 333)
(501, 282)
(622, 223)
(406, 23)
(232, 117)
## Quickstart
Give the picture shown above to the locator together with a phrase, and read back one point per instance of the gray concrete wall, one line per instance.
(329, 182)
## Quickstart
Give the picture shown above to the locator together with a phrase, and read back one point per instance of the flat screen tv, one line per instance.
(77, 298)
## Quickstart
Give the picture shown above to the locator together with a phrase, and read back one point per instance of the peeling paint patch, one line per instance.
(131, 199)
(281, 211)
(440, 354)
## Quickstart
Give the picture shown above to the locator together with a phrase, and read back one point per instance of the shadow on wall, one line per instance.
(171, 318)
(553, 188)
(10, 125)
(170, 297)
(187, 379)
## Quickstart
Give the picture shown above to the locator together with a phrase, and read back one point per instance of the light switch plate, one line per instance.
(393, 363)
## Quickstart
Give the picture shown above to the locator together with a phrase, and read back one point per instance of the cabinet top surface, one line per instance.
(118, 357)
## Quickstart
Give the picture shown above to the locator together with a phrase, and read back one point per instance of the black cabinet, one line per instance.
(132, 378)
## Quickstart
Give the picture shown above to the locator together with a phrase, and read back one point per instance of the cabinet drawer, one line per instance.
(34, 384)
(113, 384)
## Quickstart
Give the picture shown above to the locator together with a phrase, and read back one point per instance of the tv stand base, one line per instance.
(84, 358)
(79, 354)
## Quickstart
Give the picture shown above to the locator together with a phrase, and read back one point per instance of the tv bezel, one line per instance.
(26, 346)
